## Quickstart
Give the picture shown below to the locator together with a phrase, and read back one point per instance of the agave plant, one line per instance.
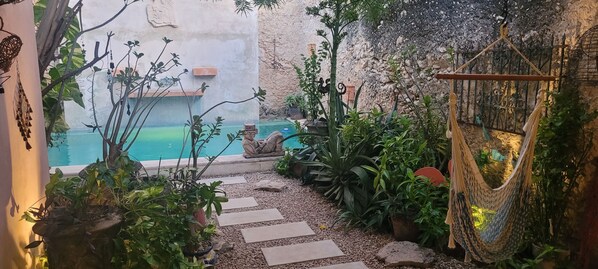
(338, 171)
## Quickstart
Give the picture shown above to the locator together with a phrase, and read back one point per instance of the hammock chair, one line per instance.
(502, 234)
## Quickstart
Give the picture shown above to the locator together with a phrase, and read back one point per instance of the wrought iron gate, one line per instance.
(506, 105)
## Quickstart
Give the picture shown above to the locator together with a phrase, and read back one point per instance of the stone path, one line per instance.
(281, 231)
(283, 254)
(353, 265)
(239, 203)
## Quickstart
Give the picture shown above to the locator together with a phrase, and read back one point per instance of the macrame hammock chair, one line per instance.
(502, 234)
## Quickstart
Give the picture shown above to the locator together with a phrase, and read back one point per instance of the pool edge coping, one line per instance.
(223, 165)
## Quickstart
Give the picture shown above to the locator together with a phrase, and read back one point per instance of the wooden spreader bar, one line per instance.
(465, 76)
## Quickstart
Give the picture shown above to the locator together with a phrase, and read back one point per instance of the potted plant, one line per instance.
(80, 218)
(417, 210)
(295, 104)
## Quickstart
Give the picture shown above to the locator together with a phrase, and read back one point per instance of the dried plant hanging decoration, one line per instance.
(4, 2)
(10, 46)
(23, 112)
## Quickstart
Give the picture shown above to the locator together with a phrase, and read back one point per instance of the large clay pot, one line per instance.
(295, 113)
(317, 127)
(89, 244)
(404, 229)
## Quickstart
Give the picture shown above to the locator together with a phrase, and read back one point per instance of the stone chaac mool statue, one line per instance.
(271, 146)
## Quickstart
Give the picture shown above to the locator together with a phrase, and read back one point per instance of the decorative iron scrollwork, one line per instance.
(324, 86)
(342, 89)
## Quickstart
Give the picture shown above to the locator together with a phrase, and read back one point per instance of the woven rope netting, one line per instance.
(504, 209)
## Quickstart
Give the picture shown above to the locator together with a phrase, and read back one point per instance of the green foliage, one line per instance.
(561, 152)
(336, 15)
(338, 171)
(158, 212)
(245, 6)
(431, 127)
(160, 223)
(283, 165)
(547, 254)
(70, 56)
(307, 82)
(427, 112)
(431, 204)
(295, 100)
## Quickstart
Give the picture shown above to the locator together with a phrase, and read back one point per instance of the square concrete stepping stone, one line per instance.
(273, 232)
(239, 203)
(301, 252)
(226, 180)
(228, 219)
(353, 265)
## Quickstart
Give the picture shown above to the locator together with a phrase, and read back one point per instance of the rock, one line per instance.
(218, 232)
(406, 253)
(399, 41)
(161, 13)
(222, 246)
(269, 185)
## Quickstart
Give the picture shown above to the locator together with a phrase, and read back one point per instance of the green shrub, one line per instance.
(283, 165)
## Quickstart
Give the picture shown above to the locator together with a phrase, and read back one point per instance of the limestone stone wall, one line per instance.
(284, 34)
(433, 27)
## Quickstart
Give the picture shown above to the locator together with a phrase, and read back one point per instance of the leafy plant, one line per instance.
(338, 171)
(200, 133)
(295, 100)
(308, 77)
(160, 224)
(61, 57)
(416, 198)
(563, 145)
(336, 15)
(428, 115)
(124, 122)
(283, 165)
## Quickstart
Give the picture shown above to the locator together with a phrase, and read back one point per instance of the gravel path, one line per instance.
(301, 203)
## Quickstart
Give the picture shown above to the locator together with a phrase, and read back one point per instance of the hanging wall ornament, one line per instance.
(10, 46)
(4, 2)
(23, 112)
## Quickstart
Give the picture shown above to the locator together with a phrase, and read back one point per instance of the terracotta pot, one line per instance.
(404, 229)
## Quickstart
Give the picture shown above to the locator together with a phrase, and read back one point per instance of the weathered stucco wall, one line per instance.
(23, 173)
(284, 34)
(207, 34)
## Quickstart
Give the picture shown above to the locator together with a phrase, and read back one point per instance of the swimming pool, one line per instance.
(83, 147)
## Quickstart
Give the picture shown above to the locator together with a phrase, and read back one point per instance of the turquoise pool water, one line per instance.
(154, 143)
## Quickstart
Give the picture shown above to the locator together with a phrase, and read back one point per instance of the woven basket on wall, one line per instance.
(4, 2)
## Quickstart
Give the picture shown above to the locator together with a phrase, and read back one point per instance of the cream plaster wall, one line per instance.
(207, 33)
(23, 173)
